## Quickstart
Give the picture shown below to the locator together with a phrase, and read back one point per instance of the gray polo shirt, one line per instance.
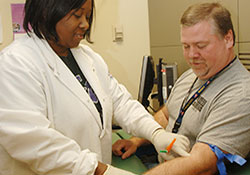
(221, 115)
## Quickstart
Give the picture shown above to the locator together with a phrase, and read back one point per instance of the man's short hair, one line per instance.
(214, 12)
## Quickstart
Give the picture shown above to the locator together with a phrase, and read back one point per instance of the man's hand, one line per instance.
(161, 139)
(125, 148)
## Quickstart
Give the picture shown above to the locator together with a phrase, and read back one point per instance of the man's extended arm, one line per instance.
(202, 161)
(161, 116)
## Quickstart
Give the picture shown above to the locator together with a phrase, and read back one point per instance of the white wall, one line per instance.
(124, 58)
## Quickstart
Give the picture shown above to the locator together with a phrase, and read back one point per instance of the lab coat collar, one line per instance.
(65, 76)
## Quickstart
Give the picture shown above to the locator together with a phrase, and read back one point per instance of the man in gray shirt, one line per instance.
(210, 103)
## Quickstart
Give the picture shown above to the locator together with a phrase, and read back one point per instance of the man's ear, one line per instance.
(229, 39)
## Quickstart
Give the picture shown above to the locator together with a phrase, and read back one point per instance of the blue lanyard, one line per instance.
(184, 108)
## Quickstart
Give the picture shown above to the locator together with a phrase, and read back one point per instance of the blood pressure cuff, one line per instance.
(221, 156)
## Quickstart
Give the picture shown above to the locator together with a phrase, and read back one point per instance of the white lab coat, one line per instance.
(48, 123)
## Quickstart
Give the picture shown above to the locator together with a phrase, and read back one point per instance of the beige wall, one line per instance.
(123, 58)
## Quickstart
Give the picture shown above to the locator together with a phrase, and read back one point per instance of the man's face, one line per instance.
(204, 50)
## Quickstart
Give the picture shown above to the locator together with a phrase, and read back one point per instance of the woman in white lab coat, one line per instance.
(57, 98)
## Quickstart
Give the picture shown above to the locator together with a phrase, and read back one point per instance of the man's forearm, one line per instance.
(202, 161)
(139, 141)
(161, 116)
(181, 165)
